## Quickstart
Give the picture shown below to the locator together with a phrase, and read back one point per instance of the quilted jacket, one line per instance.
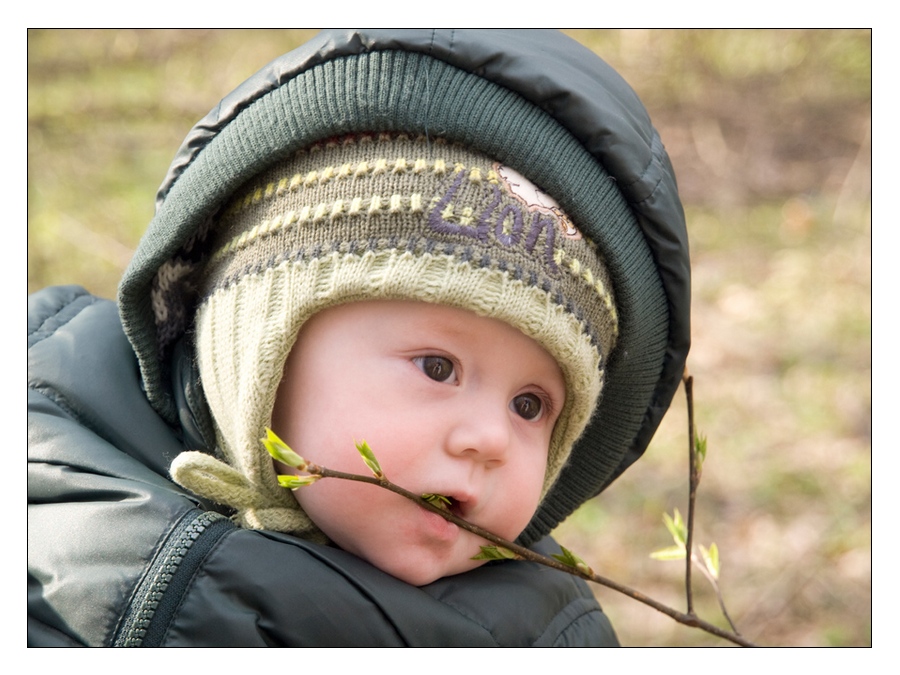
(120, 555)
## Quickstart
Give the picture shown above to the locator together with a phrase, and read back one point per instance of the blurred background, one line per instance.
(770, 136)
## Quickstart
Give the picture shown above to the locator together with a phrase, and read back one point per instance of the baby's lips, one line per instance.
(462, 502)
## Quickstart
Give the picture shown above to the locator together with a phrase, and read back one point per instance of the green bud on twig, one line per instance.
(700, 447)
(711, 559)
(369, 458)
(281, 451)
(669, 553)
(293, 482)
(572, 560)
(496, 553)
(439, 501)
(676, 528)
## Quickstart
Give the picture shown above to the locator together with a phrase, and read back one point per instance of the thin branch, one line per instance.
(283, 453)
(694, 479)
(715, 584)
(527, 554)
(694, 482)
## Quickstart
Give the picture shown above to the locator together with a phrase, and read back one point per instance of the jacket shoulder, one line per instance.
(98, 494)
(52, 307)
(529, 605)
(81, 363)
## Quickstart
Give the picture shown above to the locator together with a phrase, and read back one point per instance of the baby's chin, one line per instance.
(422, 575)
(422, 567)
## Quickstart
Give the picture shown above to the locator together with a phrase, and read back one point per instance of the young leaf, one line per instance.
(566, 557)
(281, 451)
(369, 458)
(676, 528)
(495, 553)
(711, 559)
(293, 482)
(570, 559)
(670, 553)
(439, 501)
(700, 446)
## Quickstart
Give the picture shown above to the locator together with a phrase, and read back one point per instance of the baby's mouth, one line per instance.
(445, 503)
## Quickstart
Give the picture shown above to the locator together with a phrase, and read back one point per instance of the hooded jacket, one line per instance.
(120, 555)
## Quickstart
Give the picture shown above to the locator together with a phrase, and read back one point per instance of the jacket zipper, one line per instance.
(159, 593)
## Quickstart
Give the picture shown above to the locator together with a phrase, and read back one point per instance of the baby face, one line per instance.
(451, 403)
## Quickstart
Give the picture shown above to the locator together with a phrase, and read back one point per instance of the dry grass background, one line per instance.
(769, 132)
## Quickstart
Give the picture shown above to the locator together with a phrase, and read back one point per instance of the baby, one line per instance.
(445, 243)
(424, 283)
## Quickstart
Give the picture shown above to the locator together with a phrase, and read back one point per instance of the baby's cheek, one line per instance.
(521, 508)
(348, 512)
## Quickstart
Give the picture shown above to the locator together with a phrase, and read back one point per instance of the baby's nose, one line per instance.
(482, 432)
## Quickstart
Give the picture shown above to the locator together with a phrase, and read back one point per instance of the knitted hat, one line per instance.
(382, 216)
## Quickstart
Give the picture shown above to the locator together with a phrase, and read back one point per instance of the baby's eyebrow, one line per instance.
(444, 327)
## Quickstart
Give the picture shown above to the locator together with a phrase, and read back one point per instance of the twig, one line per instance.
(694, 479)
(573, 565)
(527, 554)
(719, 597)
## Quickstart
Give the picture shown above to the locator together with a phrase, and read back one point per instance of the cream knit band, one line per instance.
(371, 217)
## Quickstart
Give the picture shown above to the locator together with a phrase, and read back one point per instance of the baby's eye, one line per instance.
(528, 406)
(438, 368)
